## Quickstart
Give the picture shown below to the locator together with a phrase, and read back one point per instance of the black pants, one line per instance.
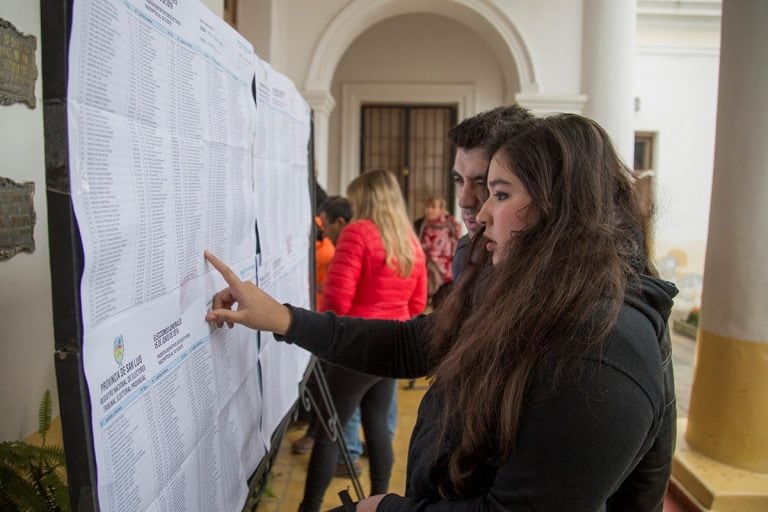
(348, 390)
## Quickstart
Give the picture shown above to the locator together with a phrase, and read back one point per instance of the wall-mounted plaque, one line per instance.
(18, 70)
(17, 218)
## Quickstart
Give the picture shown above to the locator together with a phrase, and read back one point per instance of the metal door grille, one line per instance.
(410, 141)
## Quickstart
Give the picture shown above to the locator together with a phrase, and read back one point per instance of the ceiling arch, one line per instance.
(482, 16)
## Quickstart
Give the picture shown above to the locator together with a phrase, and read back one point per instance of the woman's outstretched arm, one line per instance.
(388, 348)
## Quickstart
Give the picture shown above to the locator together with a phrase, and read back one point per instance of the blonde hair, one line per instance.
(437, 201)
(375, 195)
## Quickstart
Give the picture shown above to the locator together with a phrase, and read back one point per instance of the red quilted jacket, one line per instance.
(359, 282)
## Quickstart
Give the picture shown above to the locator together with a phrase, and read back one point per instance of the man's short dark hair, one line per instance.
(473, 132)
(335, 207)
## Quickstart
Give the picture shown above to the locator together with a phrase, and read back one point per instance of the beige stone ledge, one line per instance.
(713, 486)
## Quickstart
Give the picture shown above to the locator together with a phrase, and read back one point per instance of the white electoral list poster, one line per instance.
(280, 169)
(162, 127)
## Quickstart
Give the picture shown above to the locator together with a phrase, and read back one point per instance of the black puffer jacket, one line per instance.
(603, 442)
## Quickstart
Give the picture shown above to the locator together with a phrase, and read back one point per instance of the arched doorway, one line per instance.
(481, 17)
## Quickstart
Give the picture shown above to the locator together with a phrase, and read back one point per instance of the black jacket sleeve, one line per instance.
(647, 485)
(386, 348)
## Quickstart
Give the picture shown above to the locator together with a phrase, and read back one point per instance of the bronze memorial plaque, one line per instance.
(18, 70)
(17, 218)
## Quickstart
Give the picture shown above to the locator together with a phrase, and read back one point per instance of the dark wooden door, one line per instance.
(410, 141)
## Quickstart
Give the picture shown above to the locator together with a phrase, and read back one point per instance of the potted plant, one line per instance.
(690, 325)
(32, 476)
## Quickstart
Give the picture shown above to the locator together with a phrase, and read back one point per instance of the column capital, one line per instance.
(320, 100)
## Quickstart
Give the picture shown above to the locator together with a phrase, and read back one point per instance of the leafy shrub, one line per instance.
(31, 476)
(693, 317)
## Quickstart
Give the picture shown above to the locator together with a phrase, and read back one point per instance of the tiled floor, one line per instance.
(286, 485)
(683, 352)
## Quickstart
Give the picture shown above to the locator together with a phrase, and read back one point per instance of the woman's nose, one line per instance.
(483, 217)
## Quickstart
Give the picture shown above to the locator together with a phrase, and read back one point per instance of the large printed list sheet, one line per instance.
(279, 168)
(162, 126)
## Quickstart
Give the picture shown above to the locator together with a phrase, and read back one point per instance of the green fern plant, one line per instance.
(31, 476)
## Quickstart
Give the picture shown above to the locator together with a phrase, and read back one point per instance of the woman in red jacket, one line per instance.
(378, 271)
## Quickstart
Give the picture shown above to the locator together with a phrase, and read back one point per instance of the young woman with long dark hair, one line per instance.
(547, 364)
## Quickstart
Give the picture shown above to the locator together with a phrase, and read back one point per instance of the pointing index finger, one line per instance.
(229, 276)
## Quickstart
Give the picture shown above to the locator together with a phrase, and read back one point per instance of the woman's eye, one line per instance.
(500, 196)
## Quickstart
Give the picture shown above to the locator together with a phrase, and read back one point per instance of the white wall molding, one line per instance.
(678, 51)
(679, 14)
(320, 100)
(541, 104)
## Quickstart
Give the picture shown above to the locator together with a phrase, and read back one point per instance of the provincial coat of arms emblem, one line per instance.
(118, 349)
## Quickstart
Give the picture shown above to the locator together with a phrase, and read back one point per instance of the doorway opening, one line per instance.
(410, 141)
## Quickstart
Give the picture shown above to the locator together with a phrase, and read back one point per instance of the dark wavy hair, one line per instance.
(551, 301)
(475, 131)
(336, 207)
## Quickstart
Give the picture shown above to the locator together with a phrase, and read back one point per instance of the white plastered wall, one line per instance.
(676, 88)
(26, 319)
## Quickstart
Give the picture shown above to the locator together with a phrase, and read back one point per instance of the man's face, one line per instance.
(332, 229)
(469, 174)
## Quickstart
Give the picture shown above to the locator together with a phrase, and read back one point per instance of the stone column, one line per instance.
(723, 460)
(728, 418)
(608, 57)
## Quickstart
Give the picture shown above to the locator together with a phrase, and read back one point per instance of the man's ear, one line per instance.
(342, 222)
